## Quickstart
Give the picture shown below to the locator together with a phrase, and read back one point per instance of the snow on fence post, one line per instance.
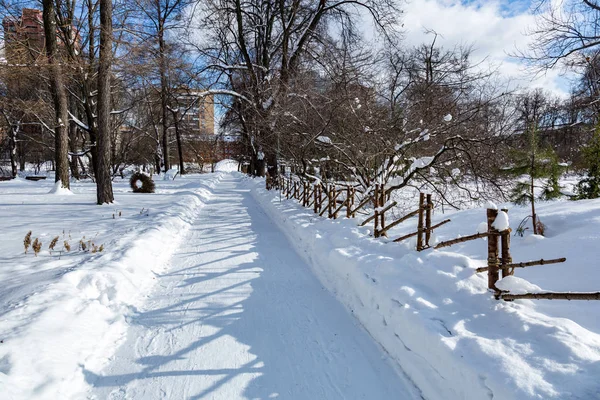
(493, 262)
(428, 220)
(420, 226)
(506, 258)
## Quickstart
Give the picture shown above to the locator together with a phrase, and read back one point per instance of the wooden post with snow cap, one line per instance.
(505, 247)
(420, 225)
(493, 262)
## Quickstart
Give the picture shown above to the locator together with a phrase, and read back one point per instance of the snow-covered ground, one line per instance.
(207, 286)
(434, 314)
(62, 311)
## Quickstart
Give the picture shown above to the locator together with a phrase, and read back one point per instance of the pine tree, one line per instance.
(589, 187)
(537, 164)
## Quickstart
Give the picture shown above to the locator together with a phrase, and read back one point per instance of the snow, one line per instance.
(324, 139)
(482, 227)
(239, 315)
(501, 222)
(64, 312)
(214, 287)
(59, 190)
(435, 316)
(490, 205)
(448, 118)
(226, 166)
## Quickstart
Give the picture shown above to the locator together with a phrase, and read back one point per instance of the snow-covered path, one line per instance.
(240, 315)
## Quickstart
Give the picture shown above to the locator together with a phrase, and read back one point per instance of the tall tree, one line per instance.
(59, 95)
(104, 192)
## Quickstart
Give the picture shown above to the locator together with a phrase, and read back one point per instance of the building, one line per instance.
(24, 37)
(197, 112)
(201, 144)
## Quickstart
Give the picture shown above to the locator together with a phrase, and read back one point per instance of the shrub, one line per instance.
(141, 183)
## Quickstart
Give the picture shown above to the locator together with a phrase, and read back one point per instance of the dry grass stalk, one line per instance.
(37, 246)
(53, 243)
(67, 246)
(27, 241)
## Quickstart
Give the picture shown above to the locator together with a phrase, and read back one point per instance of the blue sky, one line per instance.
(495, 28)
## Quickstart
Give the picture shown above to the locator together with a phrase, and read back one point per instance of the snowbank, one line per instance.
(62, 313)
(226, 166)
(435, 316)
(59, 190)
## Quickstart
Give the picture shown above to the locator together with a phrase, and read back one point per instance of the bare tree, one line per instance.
(565, 32)
(255, 51)
(104, 193)
(59, 95)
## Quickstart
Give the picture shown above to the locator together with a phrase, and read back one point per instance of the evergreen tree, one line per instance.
(537, 164)
(589, 187)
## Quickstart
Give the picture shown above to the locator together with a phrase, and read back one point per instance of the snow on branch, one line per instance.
(78, 122)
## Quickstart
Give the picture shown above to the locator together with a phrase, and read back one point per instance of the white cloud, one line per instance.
(494, 28)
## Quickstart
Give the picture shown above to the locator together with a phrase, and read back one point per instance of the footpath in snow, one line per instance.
(240, 315)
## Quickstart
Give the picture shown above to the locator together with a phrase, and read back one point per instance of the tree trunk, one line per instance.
(533, 216)
(179, 145)
(59, 96)
(13, 150)
(104, 192)
(74, 165)
(163, 95)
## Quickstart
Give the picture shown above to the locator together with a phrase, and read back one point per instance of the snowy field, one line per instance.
(207, 286)
(62, 310)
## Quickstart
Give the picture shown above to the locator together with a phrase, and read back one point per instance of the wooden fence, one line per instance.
(330, 199)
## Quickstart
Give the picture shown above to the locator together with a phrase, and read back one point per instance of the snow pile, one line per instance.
(227, 166)
(501, 222)
(59, 190)
(435, 316)
(61, 314)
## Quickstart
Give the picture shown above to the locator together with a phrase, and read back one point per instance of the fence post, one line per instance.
(505, 247)
(305, 195)
(493, 261)
(420, 224)
(330, 197)
(348, 200)
(428, 220)
(382, 204)
(376, 206)
(315, 189)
